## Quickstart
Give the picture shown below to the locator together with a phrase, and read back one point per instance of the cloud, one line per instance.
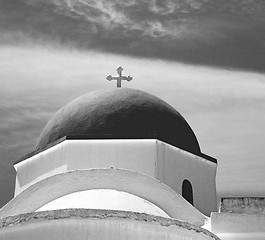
(225, 34)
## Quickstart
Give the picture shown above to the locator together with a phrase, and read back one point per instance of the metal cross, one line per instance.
(120, 77)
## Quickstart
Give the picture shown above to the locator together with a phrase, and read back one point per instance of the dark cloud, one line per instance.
(228, 34)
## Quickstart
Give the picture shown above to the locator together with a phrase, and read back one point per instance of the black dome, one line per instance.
(120, 112)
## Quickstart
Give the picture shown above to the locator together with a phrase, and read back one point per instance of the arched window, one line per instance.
(187, 192)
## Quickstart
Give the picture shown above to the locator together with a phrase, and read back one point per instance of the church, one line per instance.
(122, 164)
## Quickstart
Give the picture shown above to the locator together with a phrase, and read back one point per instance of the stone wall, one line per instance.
(243, 205)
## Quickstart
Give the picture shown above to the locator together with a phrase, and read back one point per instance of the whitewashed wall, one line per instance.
(234, 226)
(151, 157)
(175, 165)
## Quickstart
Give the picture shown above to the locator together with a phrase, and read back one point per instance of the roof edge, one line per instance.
(108, 136)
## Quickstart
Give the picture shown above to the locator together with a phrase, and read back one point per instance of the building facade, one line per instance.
(118, 164)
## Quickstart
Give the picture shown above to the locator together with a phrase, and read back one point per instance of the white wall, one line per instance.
(137, 184)
(82, 224)
(234, 226)
(151, 157)
(104, 199)
(175, 165)
(135, 155)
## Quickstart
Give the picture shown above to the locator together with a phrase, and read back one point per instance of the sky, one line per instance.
(206, 58)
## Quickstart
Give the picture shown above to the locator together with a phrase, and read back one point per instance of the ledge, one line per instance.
(39, 217)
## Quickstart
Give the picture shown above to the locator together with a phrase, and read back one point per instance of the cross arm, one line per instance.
(112, 78)
(129, 78)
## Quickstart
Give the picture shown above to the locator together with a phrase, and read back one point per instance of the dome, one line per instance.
(120, 113)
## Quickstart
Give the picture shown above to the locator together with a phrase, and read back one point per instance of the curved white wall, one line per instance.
(104, 199)
(83, 224)
(137, 184)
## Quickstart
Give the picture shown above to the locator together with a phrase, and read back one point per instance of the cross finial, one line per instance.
(119, 78)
